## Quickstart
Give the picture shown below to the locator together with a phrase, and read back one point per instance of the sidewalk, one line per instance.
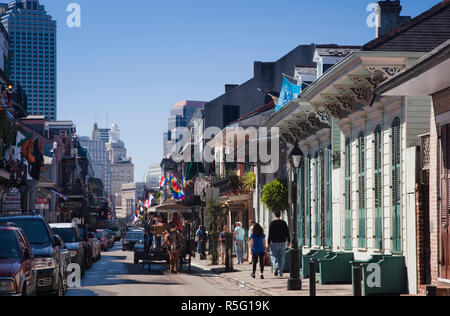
(271, 285)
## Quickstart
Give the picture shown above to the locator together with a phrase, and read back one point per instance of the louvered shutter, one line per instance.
(396, 187)
(378, 188)
(316, 201)
(348, 198)
(445, 199)
(329, 201)
(308, 202)
(301, 205)
(362, 191)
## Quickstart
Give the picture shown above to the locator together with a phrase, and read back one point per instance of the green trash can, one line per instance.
(287, 261)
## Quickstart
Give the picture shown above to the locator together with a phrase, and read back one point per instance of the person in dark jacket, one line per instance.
(278, 237)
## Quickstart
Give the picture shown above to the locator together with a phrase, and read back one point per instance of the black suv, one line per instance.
(46, 250)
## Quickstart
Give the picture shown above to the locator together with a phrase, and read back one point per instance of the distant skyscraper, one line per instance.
(154, 176)
(100, 157)
(180, 116)
(33, 53)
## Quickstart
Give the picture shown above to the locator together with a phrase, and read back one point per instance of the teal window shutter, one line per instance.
(316, 201)
(362, 240)
(329, 197)
(301, 206)
(348, 197)
(378, 188)
(308, 202)
(396, 187)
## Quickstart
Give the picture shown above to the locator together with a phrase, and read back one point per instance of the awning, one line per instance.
(170, 208)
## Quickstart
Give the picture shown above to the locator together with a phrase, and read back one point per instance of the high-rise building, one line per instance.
(180, 116)
(100, 157)
(33, 53)
(154, 176)
(122, 168)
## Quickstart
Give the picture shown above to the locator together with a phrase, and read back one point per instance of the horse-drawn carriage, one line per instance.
(166, 244)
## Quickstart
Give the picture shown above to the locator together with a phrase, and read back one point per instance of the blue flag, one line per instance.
(289, 91)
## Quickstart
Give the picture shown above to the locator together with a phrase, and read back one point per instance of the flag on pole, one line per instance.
(289, 91)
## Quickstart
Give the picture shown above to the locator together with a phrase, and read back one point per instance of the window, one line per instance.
(362, 240)
(378, 187)
(348, 198)
(396, 187)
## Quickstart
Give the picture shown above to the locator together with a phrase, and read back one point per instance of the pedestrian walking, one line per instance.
(239, 240)
(278, 236)
(223, 241)
(258, 245)
(250, 231)
(199, 236)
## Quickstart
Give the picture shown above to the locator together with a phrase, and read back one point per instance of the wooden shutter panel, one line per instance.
(396, 186)
(348, 198)
(301, 206)
(378, 189)
(316, 201)
(329, 197)
(362, 191)
(308, 202)
(445, 177)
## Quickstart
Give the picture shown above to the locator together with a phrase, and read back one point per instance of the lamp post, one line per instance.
(295, 283)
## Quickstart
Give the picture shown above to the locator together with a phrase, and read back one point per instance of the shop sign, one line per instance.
(11, 202)
(42, 203)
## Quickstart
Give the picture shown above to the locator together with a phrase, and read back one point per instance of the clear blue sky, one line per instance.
(134, 59)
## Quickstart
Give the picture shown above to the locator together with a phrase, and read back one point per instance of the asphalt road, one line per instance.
(116, 275)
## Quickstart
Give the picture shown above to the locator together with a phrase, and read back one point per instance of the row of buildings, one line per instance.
(44, 165)
(371, 123)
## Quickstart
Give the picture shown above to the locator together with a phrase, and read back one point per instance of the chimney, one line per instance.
(229, 87)
(388, 16)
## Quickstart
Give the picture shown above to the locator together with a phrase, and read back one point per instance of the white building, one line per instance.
(154, 176)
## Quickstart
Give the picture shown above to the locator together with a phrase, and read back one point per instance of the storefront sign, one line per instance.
(11, 202)
(42, 203)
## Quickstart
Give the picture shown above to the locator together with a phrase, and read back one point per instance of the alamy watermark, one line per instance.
(73, 20)
(73, 276)
(372, 19)
(242, 145)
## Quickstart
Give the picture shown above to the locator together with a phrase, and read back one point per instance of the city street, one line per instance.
(116, 275)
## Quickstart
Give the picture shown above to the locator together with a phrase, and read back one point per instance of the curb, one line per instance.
(244, 284)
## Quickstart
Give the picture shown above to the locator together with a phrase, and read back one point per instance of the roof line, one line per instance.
(406, 26)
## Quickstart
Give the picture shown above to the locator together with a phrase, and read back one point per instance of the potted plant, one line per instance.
(275, 196)
(214, 210)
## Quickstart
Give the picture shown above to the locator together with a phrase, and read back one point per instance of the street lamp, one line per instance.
(295, 283)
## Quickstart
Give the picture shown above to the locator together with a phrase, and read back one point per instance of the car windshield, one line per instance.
(135, 235)
(68, 235)
(9, 247)
(35, 230)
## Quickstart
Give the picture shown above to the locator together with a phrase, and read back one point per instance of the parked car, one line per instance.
(110, 238)
(131, 238)
(96, 246)
(17, 273)
(65, 261)
(101, 235)
(46, 250)
(84, 234)
(70, 234)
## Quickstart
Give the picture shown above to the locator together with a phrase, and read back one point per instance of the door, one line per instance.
(445, 200)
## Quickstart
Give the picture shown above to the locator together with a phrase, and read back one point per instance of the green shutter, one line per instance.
(301, 205)
(308, 202)
(316, 201)
(396, 187)
(329, 201)
(378, 190)
(362, 240)
(348, 197)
